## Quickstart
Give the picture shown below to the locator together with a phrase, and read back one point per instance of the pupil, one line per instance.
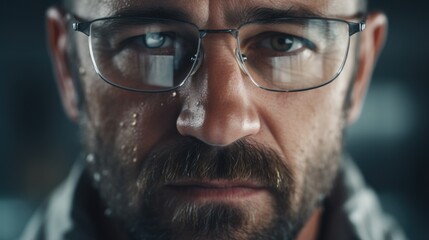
(282, 43)
(154, 40)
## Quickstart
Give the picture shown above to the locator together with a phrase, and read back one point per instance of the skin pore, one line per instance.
(218, 158)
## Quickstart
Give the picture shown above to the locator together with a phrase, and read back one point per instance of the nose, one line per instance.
(218, 109)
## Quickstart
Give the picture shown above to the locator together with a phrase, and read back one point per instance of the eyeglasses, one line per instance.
(158, 55)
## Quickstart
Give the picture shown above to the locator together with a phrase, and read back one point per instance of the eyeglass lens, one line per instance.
(156, 55)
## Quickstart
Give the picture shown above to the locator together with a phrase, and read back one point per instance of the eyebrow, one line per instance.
(233, 18)
(255, 14)
(154, 12)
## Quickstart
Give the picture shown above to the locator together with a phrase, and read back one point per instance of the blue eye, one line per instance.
(155, 40)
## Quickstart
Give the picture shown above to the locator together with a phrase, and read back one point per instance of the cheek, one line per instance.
(307, 131)
(297, 121)
(122, 121)
(124, 127)
(128, 124)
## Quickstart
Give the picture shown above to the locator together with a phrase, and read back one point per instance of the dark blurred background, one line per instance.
(389, 143)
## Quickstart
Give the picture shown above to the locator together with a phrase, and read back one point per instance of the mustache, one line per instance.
(191, 159)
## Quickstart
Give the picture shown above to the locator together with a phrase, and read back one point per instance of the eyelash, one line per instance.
(261, 39)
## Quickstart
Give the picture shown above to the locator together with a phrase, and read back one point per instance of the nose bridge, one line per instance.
(218, 110)
(222, 39)
(218, 46)
(216, 37)
(204, 32)
(219, 43)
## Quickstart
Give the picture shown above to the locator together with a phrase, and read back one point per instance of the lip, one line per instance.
(215, 190)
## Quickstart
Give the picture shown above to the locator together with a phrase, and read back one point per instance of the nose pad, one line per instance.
(241, 58)
(199, 58)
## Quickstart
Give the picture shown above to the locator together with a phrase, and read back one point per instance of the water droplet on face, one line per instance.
(135, 115)
(90, 158)
(321, 198)
(138, 184)
(97, 177)
(198, 103)
(162, 104)
(135, 149)
(123, 147)
(82, 71)
(134, 160)
(108, 212)
(134, 123)
(121, 124)
(173, 94)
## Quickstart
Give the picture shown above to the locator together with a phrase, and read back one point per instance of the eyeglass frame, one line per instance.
(83, 26)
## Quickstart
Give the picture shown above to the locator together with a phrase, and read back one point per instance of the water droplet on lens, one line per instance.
(97, 177)
(321, 197)
(108, 212)
(82, 71)
(90, 158)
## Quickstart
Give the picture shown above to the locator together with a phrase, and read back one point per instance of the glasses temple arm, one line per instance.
(78, 24)
(356, 27)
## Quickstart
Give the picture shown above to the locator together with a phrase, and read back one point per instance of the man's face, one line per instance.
(218, 157)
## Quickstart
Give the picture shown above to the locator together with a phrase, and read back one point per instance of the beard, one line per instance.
(135, 191)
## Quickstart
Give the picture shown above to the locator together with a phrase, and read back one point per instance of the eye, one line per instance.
(285, 43)
(156, 40)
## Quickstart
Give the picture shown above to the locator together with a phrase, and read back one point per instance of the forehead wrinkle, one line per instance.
(91, 9)
(256, 13)
(218, 13)
(235, 13)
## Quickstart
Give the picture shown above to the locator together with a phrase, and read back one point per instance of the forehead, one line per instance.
(203, 12)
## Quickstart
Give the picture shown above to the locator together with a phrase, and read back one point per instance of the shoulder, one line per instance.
(353, 211)
(56, 218)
